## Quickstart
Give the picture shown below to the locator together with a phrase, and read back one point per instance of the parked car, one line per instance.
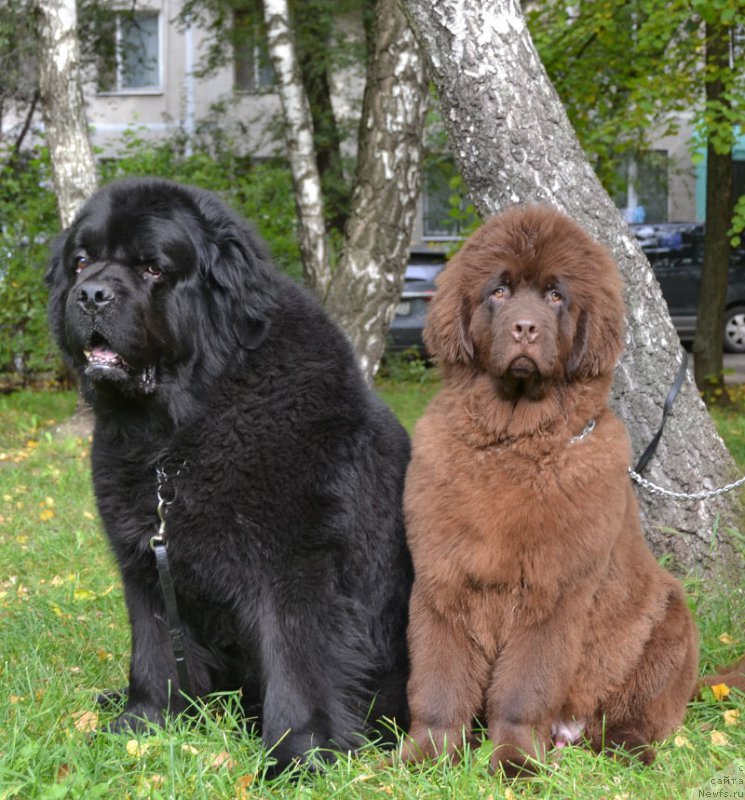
(675, 251)
(405, 332)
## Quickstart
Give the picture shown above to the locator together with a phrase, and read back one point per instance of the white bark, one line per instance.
(300, 150)
(513, 143)
(62, 103)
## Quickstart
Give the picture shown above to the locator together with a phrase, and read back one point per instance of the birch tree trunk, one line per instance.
(514, 144)
(298, 130)
(63, 109)
(368, 281)
(66, 129)
(362, 292)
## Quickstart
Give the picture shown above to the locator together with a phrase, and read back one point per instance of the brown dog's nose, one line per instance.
(525, 331)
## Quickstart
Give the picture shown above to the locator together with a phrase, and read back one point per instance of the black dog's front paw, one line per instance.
(298, 751)
(137, 719)
(112, 698)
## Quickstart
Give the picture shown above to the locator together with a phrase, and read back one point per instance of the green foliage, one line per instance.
(608, 62)
(28, 222)
(738, 222)
(624, 70)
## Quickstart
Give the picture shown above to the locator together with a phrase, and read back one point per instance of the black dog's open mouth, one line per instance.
(106, 364)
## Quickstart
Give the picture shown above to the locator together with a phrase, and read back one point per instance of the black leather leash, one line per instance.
(671, 395)
(173, 619)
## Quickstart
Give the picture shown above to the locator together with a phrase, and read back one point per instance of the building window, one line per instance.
(252, 67)
(447, 211)
(643, 178)
(132, 61)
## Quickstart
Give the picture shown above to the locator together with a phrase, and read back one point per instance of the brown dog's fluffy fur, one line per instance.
(537, 605)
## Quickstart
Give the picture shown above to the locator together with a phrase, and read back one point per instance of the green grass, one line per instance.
(64, 636)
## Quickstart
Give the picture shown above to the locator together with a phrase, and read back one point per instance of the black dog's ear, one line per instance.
(236, 265)
(55, 259)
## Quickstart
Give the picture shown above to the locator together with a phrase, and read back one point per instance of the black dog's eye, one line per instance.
(152, 273)
(554, 296)
(81, 262)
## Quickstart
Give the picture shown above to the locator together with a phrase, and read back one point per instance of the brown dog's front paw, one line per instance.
(427, 743)
(512, 761)
(518, 749)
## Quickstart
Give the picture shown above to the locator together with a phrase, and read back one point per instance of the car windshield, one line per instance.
(422, 272)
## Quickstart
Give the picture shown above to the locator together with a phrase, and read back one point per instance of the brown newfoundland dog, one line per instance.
(537, 605)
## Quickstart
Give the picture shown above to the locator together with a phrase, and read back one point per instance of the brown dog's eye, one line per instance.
(500, 293)
(553, 296)
(81, 262)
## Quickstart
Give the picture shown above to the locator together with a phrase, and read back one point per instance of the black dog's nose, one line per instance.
(93, 296)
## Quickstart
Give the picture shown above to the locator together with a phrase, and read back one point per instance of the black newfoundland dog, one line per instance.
(284, 472)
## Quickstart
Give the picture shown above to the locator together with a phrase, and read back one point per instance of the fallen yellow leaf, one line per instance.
(84, 594)
(46, 515)
(137, 749)
(719, 739)
(720, 691)
(731, 716)
(222, 758)
(86, 721)
(681, 741)
(189, 748)
(241, 786)
(725, 638)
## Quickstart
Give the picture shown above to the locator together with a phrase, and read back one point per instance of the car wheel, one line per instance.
(734, 330)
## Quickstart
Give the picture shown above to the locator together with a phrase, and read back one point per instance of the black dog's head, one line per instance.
(156, 283)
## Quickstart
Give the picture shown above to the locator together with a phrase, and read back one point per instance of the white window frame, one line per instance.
(120, 90)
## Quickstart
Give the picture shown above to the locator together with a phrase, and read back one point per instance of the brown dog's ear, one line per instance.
(598, 338)
(446, 333)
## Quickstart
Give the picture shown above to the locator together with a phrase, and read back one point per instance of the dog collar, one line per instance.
(586, 431)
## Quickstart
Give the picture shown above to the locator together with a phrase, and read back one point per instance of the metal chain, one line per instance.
(653, 488)
(163, 503)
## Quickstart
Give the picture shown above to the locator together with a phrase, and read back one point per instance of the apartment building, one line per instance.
(154, 88)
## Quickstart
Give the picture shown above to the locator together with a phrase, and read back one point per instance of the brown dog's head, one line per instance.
(532, 300)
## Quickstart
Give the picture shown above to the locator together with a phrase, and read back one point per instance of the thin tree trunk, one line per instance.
(66, 128)
(367, 284)
(313, 26)
(300, 148)
(712, 295)
(63, 109)
(514, 144)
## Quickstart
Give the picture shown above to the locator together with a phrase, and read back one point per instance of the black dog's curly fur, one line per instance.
(285, 535)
